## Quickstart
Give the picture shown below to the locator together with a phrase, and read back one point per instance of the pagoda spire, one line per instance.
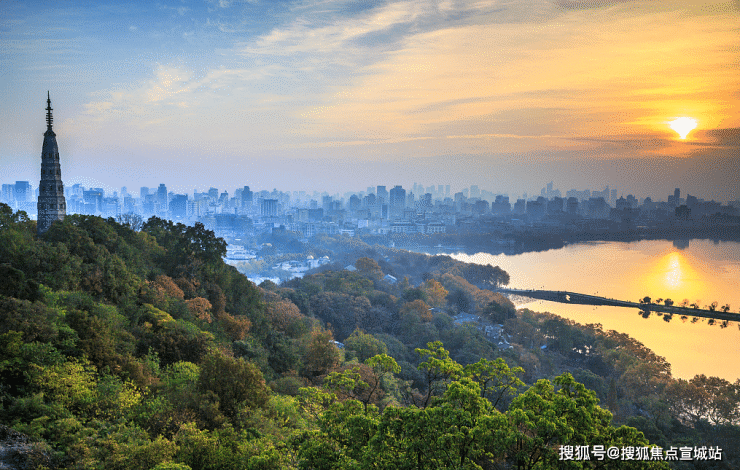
(51, 205)
(49, 118)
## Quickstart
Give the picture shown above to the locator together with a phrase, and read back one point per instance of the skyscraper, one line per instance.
(162, 198)
(51, 204)
(397, 202)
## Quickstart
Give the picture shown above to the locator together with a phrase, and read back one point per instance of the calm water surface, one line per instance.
(702, 272)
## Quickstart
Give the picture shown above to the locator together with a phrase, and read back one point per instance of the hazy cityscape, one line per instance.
(379, 211)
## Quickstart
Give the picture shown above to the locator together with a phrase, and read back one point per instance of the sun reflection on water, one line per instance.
(675, 276)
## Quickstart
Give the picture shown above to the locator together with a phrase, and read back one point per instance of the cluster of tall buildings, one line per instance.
(430, 209)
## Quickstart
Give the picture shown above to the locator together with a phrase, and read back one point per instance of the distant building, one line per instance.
(162, 197)
(536, 209)
(247, 198)
(520, 206)
(397, 202)
(22, 189)
(8, 193)
(354, 202)
(268, 208)
(572, 205)
(179, 206)
(622, 204)
(480, 207)
(382, 194)
(555, 205)
(683, 212)
(51, 204)
(93, 200)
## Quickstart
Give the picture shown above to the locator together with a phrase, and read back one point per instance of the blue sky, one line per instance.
(339, 95)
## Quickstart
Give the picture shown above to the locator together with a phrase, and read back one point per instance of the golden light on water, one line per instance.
(673, 276)
(683, 126)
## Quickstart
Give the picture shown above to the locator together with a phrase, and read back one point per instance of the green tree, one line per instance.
(363, 346)
(495, 379)
(543, 419)
(235, 382)
(438, 369)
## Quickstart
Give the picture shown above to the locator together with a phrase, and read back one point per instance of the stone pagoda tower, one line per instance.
(51, 203)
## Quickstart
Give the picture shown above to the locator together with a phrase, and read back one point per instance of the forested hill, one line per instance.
(123, 349)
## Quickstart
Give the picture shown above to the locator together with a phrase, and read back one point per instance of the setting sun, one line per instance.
(683, 126)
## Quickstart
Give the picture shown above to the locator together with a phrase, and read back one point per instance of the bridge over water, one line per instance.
(575, 298)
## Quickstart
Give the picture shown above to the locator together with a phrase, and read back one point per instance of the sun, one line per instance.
(683, 126)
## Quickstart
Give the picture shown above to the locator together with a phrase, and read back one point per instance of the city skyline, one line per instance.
(338, 96)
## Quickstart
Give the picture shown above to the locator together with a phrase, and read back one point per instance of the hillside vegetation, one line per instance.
(123, 349)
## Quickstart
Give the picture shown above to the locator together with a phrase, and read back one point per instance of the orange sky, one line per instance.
(238, 91)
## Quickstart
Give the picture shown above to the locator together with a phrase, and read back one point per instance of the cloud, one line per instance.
(585, 4)
(230, 3)
(408, 79)
(580, 74)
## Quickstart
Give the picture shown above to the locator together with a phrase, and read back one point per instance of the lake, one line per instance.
(701, 271)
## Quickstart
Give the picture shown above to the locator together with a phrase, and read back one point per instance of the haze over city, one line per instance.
(341, 95)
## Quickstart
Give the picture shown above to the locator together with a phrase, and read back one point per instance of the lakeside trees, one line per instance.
(150, 352)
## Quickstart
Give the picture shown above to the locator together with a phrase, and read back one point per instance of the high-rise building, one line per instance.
(51, 204)
(269, 208)
(382, 194)
(93, 199)
(247, 197)
(21, 191)
(162, 197)
(179, 206)
(397, 197)
(397, 202)
(7, 194)
(213, 194)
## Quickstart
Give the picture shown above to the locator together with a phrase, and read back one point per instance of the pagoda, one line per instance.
(51, 203)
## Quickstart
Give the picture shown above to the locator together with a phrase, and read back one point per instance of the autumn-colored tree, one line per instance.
(436, 293)
(200, 308)
(417, 307)
(286, 317)
(188, 287)
(169, 287)
(322, 355)
(369, 267)
(236, 326)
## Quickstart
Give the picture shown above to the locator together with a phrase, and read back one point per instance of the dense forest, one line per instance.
(142, 349)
